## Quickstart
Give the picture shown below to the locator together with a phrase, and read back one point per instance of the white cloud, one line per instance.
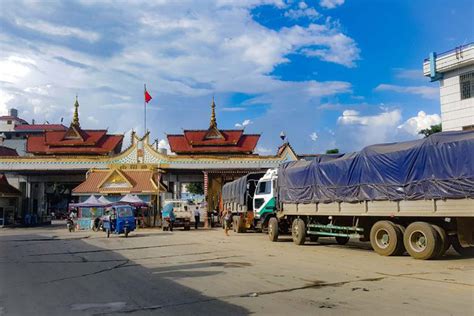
(330, 4)
(356, 131)
(163, 144)
(184, 52)
(426, 92)
(303, 11)
(264, 151)
(58, 30)
(313, 136)
(415, 124)
(232, 109)
(14, 68)
(243, 124)
(412, 74)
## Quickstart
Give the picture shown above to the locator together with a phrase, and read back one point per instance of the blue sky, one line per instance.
(330, 73)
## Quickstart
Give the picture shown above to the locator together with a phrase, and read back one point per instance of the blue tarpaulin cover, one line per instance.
(438, 167)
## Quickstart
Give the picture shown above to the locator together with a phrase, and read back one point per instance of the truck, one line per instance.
(415, 196)
(238, 197)
(182, 214)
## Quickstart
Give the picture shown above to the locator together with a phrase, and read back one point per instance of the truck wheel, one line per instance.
(234, 224)
(444, 241)
(342, 240)
(298, 231)
(460, 249)
(125, 231)
(421, 241)
(385, 238)
(313, 238)
(273, 229)
(239, 225)
(108, 233)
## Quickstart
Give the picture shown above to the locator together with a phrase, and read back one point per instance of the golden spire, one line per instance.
(213, 123)
(75, 119)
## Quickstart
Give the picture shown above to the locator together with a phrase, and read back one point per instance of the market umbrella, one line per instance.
(92, 201)
(104, 200)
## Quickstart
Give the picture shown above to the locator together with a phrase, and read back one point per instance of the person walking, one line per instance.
(196, 217)
(227, 219)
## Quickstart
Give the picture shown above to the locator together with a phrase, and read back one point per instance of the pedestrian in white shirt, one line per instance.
(196, 217)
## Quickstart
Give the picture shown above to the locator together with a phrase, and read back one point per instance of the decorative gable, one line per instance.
(115, 179)
(73, 132)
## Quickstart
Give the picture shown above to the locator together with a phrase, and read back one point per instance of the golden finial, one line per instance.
(75, 119)
(213, 123)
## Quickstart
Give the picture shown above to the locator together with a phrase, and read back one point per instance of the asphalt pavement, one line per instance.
(49, 271)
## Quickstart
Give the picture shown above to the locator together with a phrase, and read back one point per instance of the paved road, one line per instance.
(47, 271)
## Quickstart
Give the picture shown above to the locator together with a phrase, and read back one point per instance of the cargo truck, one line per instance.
(415, 196)
(238, 197)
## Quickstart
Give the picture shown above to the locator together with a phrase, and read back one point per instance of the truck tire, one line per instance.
(444, 240)
(273, 229)
(239, 225)
(234, 223)
(386, 238)
(125, 232)
(298, 231)
(422, 241)
(342, 240)
(460, 249)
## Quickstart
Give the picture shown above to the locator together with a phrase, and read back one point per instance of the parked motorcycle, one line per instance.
(70, 225)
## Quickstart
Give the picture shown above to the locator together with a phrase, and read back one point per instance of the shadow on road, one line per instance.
(74, 277)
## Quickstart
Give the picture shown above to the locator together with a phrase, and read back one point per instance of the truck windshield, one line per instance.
(264, 187)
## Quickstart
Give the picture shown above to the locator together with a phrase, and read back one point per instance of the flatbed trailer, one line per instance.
(423, 216)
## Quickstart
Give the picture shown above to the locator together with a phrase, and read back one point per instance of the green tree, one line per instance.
(332, 151)
(430, 131)
(195, 188)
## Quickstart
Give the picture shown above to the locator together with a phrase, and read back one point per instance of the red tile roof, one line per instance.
(195, 142)
(6, 189)
(142, 181)
(96, 142)
(40, 127)
(7, 152)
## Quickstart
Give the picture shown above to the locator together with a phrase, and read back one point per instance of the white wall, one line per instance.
(455, 113)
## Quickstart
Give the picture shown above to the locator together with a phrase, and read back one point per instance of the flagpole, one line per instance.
(144, 106)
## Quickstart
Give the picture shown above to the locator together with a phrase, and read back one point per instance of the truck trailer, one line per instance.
(415, 196)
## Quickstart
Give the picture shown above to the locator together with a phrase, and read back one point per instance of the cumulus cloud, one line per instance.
(302, 11)
(217, 47)
(314, 136)
(331, 4)
(243, 124)
(415, 124)
(426, 92)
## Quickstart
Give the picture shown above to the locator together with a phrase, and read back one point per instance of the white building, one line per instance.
(455, 71)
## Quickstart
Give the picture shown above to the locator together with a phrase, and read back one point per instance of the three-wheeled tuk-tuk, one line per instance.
(120, 220)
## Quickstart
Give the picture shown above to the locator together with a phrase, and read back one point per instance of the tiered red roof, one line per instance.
(196, 142)
(74, 140)
(213, 140)
(92, 142)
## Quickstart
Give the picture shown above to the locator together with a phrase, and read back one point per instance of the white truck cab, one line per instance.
(264, 200)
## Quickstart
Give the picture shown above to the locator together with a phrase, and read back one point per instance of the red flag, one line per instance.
(147, 97)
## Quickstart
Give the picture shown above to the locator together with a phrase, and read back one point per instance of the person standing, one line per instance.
(196, 217)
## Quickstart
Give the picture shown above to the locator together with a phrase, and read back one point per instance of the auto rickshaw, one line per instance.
(120, 220)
